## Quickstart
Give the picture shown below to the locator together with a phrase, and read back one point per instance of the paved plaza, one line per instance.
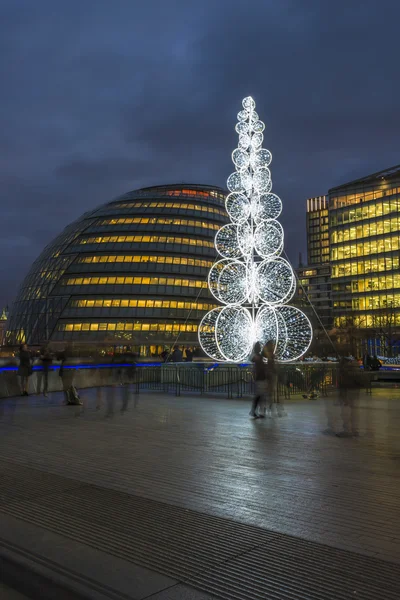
(189, 498)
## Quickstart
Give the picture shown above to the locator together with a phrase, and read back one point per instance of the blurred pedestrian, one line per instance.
(366, 361)
(45, 360)
(67, 375)
(25, 368)
(189, 355)
(350, 383)
(164, 355)
(272, 380)
(260, 376)
(177, 354)
(375, 363)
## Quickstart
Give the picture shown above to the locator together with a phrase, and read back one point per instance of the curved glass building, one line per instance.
(132, 272)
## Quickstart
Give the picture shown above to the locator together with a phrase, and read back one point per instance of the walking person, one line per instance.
(71, 395)
(25, 368)
(45, 358)
(259, 374)
(271, 376)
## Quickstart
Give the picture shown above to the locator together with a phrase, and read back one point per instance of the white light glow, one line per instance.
(252, 281)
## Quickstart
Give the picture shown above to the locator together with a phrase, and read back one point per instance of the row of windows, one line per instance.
(385, 301)
(386, 263)
(129, 258)
(359, 197)
(382, 282)
(315, 237)
(127, 327)
(125, 303)
(179, 205)
(366, 230)
(366, 211)
(318, 222)
(158, 221)
(367, 321)
(319, 244)
(134, 281)
(365, 248)
(199, 193)
(147, 239)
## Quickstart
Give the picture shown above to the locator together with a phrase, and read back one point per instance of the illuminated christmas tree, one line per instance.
(252, 281)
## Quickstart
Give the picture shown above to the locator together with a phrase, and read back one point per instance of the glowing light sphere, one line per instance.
(238, 207)
(269, 206)
(298, 332)
(248, 103)
(260, 158)
(244, 141)
(241, 159)
(258, 126)
(207, 337)
(267, 325)
(274, 280)
(268, 238)
(227, 281)
(242, 127)
(227, 243)
(233, 333)
(239, 181)
(262, 179)
(252, 281)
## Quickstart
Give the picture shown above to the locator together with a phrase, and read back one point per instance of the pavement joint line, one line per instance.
(58, 569)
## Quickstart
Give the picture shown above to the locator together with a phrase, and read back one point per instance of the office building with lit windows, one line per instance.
(314, 294)
(314, 282)
(364, 226)
(317, 230)
(131, 272)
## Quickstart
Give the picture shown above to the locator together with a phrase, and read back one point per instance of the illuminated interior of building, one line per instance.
(131, 272)
(364, 231)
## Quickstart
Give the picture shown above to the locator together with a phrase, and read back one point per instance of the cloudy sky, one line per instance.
(103, 96)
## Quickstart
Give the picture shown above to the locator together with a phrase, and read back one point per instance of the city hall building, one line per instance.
(131, 272)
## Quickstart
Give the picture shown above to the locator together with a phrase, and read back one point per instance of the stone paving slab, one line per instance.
(203, 455)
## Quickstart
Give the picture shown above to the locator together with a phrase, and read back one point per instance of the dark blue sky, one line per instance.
(101, 97)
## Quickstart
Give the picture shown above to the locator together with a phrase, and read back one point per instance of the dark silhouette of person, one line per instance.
(45, 358)
(260, 377)
(177, 354)
(189, 355)
(375, 363)
(25, 368)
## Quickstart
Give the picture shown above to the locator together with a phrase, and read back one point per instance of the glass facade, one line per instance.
(133, 271)
(314, 294)
(317, 231)
(364, 226)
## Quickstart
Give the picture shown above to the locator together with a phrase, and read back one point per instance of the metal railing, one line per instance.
(229, 380)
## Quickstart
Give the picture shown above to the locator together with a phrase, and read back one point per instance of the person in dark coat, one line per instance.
(45, 358)
(67, 376)
(25, 368)
(189, 355)
(177, 354)
(260, 381)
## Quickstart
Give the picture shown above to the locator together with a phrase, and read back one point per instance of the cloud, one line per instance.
(99, 100)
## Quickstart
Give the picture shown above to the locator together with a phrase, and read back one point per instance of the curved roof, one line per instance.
(133, 271)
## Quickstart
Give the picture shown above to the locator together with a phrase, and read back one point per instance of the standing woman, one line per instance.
(25, 368)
